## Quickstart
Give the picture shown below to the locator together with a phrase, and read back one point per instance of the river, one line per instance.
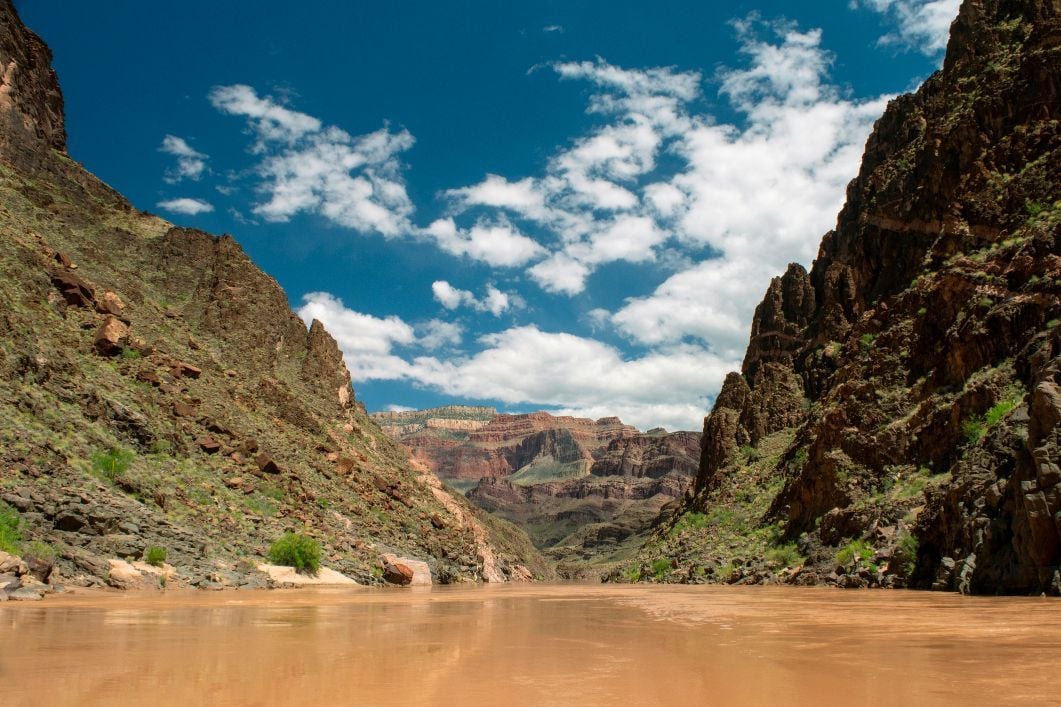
(531, 645)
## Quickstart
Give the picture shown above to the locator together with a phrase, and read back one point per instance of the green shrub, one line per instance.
(660, 567)
(10, 536)
(155, 556)
(922, 311)
(973, 429)
(633, 574)
(854, 550)
(298, 551)
(784, 555)
(866, 341)
(130, 354)
(111, 464)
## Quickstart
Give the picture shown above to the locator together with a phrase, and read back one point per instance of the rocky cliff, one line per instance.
(157, 390)
(585, 490)
(895, 420)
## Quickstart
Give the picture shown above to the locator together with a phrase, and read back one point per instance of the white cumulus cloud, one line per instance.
(353, 181)
(186, 206)
(923, 25)
(190, 162)
(494, 301)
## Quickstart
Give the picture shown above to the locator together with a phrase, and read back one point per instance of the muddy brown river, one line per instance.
(532, 645)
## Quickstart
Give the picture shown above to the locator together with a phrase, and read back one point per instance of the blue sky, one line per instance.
(572, 206)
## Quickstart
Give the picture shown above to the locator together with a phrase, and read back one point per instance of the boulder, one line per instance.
(110, 303)
(74, 290)
(40, 567)
(123, 575)
(149, 377)
(183, 409)
(26, 594)
(398, 568)
(397, 573)
(111, 336)
(209, 445)
(266, 464)
(11, 563)
(181, 369)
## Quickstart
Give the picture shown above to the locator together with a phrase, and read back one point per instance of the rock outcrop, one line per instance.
(581, 488)
(166, 395)
(914, 368)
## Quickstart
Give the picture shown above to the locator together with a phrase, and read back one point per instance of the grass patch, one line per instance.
(298, 551)
(689, 521)
(111, 464)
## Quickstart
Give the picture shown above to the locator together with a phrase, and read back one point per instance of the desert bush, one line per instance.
(298, 551)
(10, 535)
(155, 556)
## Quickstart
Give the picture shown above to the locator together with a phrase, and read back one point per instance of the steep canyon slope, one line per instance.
(157, 390)
(585, 490)
(896, 418)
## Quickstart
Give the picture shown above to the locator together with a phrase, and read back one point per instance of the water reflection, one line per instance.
(537, 645)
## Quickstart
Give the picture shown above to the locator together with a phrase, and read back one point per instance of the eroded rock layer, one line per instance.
(583, 489)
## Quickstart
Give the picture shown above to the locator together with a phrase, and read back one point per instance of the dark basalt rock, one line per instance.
(925, 338)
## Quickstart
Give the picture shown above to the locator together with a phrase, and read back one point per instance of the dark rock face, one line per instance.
(30, 100)
(926, 336)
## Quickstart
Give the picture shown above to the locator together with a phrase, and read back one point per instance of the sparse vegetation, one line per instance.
(750, 453)
(865, 342)
(660, 567)
(907, 553)
(40, 550)
(977, 426)
(854, 551)
(784, 555)
(298, 551)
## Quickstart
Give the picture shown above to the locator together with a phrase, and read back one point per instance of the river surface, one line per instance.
(531, 645)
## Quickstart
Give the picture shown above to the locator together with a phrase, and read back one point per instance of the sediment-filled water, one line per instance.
(531, 645)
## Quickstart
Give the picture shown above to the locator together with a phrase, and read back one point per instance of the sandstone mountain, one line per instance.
(157, 390)
(584, 490)
(895, 420)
